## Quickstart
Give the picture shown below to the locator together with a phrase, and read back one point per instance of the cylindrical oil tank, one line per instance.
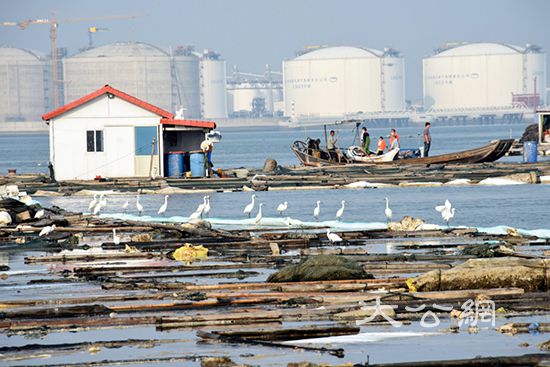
(337, 81)
(139, 69)
(243, 95)
(186, 81)
(393, 79)
(22, 85)
(481, 75)
(213, 86)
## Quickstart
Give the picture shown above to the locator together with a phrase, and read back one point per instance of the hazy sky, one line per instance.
(252, 33)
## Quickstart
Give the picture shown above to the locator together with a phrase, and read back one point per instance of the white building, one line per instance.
(484, 76)
(109, 133)
(339, 81)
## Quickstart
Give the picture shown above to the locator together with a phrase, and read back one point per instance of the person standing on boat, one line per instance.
(381, 146)
(331, 145)
(365, 141)
(427, 138)
(394, 140)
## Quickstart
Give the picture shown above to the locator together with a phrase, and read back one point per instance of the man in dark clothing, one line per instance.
(427, 139)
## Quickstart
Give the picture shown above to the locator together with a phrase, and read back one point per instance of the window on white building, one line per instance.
(94, 140)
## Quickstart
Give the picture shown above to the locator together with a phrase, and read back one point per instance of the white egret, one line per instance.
(97, 207)
(116, 238)
(248, 209)
(282, 207)
(340, 211)
(317, 210)
(103, 201)
(206, 206)
(200, 209)
(125, 205)
(39, 214)
(139, 207)
(333, 237)
(448, 215)
(259, 215)
(162, 209)
(388, 211)
(47, 230)
(92, 203)
(445, 207)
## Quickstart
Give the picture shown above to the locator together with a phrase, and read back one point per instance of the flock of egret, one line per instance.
(98, 203)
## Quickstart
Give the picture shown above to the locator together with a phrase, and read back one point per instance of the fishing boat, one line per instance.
(318, 157)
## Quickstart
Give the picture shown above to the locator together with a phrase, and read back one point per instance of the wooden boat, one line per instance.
(487, 153)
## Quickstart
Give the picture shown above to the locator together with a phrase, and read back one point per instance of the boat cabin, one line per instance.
(111, 134)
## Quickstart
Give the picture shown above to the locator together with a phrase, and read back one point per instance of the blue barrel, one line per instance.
(174, 164)
(197, 165)
(530, 151)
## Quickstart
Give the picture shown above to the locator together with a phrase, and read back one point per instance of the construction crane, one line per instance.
(54, 24)
(91, 31)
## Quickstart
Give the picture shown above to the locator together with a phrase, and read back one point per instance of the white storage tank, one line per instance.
(22, 85)
(139, 69)
(213, 86)
(482, 76)
(186, 82)
(338, 81)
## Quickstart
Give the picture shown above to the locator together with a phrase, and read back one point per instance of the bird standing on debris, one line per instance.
(317, 211)
(340, 211)
(39, 214)
(248, 209)
(388, 211)
(333, 237)
(200, 209)
(282, 207)
(116, 238)
(259, 215)
(162, 209)
(92, 203)
(139, 207)
(46, 230)
(103, 201)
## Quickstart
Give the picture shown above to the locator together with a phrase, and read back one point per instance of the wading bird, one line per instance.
(259, 215)
(388, 211)
(139, 207)
(162, 209)
(340, 211)
(206, 206)
(248, 209)
(92, 203)
(125, 205)
(282, 207)
(317, 211)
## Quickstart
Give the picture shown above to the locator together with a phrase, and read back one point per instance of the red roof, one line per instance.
(189, 123)
(107, 89)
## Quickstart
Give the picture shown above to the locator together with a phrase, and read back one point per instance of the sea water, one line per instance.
(250, 146)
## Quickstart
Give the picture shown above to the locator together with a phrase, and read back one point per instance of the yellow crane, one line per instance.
(53, 22)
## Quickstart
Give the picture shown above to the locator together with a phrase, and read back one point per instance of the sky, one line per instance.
(253, 33)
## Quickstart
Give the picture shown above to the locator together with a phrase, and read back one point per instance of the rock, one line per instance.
(500, 272)
(5, 219)
(545, 346)
(320, 267)
(270, 165)
(217, 362)
(142, 237)
(406, 224)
